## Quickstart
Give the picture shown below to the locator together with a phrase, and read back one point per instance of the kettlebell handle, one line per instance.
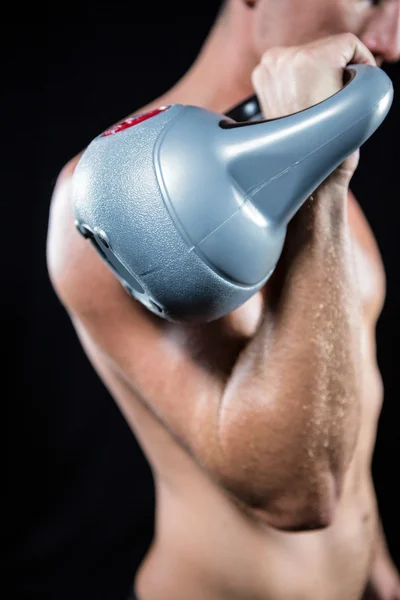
(249, 110)
(278, 163)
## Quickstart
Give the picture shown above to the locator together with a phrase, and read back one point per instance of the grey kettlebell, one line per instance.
(190, 208)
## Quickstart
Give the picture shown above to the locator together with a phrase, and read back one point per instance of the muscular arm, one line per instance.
(290, 412)
(274, 418)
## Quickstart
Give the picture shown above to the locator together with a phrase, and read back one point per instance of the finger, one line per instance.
(341, 50)
(355, 52)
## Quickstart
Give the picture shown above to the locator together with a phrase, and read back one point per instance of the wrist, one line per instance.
(344, 173)
(325, 212)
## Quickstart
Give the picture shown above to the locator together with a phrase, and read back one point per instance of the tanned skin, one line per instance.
(259, 427)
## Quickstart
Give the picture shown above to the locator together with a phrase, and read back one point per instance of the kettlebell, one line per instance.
(189, 208)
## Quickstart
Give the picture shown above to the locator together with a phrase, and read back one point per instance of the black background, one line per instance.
(80, 512)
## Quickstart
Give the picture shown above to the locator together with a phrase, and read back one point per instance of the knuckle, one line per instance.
(272, 56)
(303, 56)
(349, 39)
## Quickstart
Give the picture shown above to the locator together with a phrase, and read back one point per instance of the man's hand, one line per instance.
(267, 399)
(289, 80)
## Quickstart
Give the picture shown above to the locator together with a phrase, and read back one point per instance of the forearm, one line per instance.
(290, 413)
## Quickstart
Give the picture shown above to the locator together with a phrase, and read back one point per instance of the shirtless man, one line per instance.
(259, 427)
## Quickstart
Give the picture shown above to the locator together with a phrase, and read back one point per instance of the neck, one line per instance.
(221, 75)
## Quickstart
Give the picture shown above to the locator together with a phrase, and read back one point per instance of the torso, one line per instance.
(205, 548)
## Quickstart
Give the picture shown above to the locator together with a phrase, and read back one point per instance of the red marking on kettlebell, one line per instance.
(131, 121)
